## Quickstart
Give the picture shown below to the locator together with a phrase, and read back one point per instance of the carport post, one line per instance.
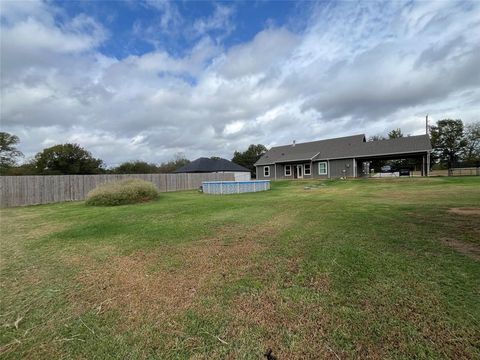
(428, 163)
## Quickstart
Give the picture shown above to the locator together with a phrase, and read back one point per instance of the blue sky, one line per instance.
(126, 20)
(149, 79)
(139, 27)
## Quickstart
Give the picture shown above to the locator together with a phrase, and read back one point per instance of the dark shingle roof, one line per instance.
(344, 147)
(407, 144)
(211, 165)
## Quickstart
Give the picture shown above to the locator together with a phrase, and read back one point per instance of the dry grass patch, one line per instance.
(465, 211)
(293, 329)
(140, 286)
(423, 314)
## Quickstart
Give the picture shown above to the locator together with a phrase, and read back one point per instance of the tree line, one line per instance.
(453, 144)
(72, 159)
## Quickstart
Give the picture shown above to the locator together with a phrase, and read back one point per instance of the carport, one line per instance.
(421, 162)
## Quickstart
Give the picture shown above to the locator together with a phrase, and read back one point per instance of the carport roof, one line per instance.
(345, 147)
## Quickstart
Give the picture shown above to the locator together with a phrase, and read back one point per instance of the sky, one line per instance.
(150, 79)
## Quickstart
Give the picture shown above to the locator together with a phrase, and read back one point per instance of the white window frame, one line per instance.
(319, 168)
(289, 170)
(268, 170)
(309, 169)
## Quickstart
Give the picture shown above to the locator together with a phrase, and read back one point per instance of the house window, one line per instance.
(288, 170)
(307, 169)
(322, 168)
(266, 171)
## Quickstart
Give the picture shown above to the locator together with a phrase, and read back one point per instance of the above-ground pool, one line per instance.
(234, 187)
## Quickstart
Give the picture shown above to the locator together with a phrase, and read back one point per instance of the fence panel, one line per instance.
(44, 189)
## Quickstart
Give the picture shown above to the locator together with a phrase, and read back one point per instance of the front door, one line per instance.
(299, 171)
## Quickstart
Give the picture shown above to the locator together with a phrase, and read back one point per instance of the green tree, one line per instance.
(8, 151)
(395, 134)
(27, 168)
(170, 166)
(377, 137)
(135, 167)
(67, 159)
(448, 140)
(249, 156)
(471, 152)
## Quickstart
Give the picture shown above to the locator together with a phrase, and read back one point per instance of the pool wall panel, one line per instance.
(234, 187)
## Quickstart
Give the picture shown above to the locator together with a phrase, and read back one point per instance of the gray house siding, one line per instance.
(334, 170)
(281, 171)
(260, 172)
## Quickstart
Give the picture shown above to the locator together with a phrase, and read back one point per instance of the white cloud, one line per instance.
(219, 20)
(233, 127)
(29, 27)
(169, 14)
(354, 69)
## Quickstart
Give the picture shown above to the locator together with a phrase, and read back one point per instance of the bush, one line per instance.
(122, 192)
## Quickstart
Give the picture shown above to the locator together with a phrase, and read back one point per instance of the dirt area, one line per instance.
(468, 249)
(465, 211)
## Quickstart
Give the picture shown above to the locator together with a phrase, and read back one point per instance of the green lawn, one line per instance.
(345, 269)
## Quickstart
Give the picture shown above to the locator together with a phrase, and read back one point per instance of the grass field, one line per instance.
(355, 269)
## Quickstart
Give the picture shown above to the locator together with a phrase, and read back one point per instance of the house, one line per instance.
(339, 157)
(216, 165)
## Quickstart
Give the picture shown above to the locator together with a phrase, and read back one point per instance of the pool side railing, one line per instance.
(234, 187)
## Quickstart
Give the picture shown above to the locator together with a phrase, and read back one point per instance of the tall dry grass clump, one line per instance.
(123, 192)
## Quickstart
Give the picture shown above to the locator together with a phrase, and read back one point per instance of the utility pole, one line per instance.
(427, 167)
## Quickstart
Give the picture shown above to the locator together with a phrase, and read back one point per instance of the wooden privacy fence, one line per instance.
(465, 171)
(470, 171)
(44, 189)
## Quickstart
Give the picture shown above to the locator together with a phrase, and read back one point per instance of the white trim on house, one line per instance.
(289, 170)
(265, 172)
(325, 172)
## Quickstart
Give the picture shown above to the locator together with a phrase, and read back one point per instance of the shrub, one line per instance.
(122, 192)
